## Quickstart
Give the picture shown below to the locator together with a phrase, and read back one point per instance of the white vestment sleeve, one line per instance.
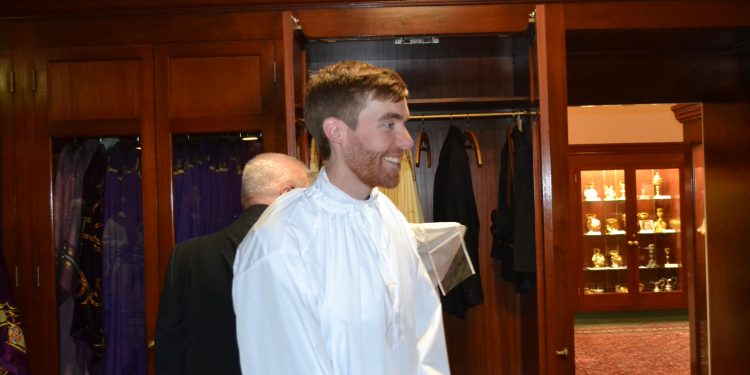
(431, 346)
(278, 327)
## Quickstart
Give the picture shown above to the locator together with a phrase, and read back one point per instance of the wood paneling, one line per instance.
(655, 66)
(18, 138)
(657, 52)
(556, 290)
(426, 20)
(698, 292)
(5, 34)
(691, 117)
(294, 66)
(156, 28)
(727, 175)
(603, 15)
(223, 86)
(47, 7)
(85, 84)
(621, 79)
(88, 90)
(201, 86)
(491, 65)
(16, 264)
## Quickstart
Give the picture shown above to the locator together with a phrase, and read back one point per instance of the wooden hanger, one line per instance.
(472, 142)
(518, 121)
(423, 144)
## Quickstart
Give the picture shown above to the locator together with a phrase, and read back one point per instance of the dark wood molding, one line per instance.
(46, 8)
(687, 112)
(556, 287)
(442, 20)
(691, 117)
(604, 15)
(625, 148)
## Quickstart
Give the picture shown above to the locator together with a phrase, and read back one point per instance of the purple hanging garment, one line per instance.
(67, 215)
(124, 302)
(181, 175)
(12, 343)
(207, 188)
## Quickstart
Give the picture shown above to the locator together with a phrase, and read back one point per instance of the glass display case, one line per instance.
(629, 240)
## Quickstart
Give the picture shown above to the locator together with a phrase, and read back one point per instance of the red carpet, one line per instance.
(633, 348)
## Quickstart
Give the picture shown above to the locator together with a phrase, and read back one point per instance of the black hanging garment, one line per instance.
(87, 328)
(453, 200)
(513, 223)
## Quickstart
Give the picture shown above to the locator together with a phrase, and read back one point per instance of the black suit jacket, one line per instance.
(453, 200)
(195, 327)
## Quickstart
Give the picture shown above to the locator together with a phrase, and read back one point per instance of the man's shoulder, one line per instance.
(290, 208)
(286, 223)
(201, 245)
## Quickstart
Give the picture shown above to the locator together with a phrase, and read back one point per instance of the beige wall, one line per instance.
(637, 123)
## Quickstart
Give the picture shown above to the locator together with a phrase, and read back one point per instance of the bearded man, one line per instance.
(329, 280)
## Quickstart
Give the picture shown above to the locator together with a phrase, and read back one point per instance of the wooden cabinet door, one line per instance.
(727, 174)
(216, 86)
(17, 264)
(80, 93)
(555, 278)
(211, 87)
(6, 168)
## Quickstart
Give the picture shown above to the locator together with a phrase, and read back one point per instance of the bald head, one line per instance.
(268, 175)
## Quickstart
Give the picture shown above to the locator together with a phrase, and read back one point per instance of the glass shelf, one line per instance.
(605, 268)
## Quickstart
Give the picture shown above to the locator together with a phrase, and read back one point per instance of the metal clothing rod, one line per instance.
(459, 116)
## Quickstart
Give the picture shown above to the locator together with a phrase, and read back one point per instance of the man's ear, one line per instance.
(286, 189)
(333, 129)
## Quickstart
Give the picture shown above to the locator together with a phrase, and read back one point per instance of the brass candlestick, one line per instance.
(659, 224)
(657, 180)
(651, 261)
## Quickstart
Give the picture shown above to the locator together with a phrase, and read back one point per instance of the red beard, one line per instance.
(369, 166)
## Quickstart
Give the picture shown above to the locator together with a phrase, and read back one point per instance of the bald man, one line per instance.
(195, 327)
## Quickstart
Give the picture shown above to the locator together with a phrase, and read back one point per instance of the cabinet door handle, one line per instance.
(562, 353)
(633, 243)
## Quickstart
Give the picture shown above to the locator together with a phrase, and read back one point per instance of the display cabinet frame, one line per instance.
(640, 233)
